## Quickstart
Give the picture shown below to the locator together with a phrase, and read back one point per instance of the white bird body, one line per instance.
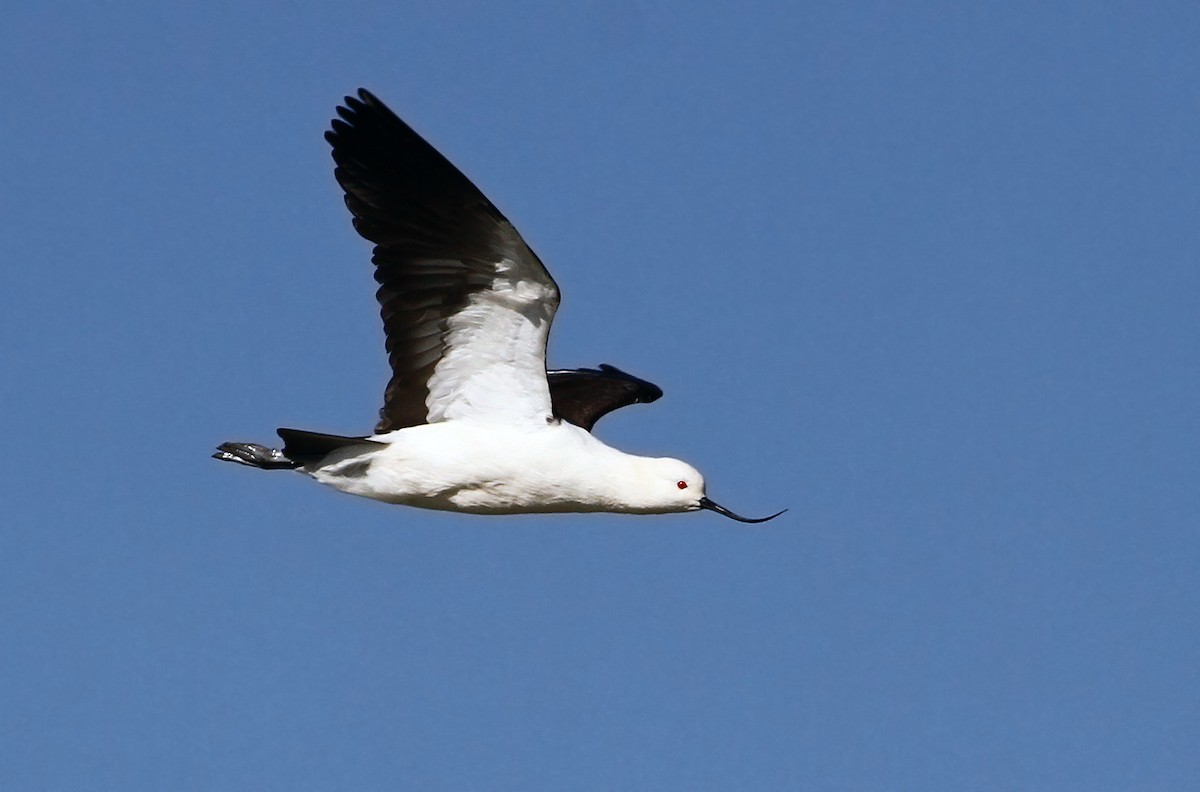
(495, 468)
(472, 421)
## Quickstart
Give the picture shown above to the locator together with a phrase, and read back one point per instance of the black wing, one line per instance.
(584, 396)
(438, 240)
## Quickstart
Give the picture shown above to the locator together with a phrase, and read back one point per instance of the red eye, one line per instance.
(681, 484)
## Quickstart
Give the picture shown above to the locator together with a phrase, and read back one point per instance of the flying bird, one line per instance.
(472, 421)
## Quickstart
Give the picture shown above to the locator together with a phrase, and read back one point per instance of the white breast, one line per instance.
(484, 468)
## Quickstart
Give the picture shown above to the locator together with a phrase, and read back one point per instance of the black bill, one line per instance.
(705, 503)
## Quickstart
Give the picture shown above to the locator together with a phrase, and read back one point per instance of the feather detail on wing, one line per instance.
(466, 305)
(584, 396)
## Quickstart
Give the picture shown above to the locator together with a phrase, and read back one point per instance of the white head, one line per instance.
(670, 485)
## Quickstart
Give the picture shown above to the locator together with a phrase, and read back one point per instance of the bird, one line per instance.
(472, 420)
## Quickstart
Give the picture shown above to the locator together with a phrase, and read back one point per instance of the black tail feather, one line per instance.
(305, 447)
(255, 455)
(300, 448)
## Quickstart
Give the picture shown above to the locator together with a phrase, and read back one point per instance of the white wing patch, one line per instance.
(493, 368)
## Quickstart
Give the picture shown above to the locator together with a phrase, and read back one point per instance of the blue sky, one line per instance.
(925, 273)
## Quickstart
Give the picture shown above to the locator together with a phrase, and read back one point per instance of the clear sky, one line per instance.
(926, 273)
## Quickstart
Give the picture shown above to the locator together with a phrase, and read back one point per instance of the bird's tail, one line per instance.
(255, 455)
(300, 448)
